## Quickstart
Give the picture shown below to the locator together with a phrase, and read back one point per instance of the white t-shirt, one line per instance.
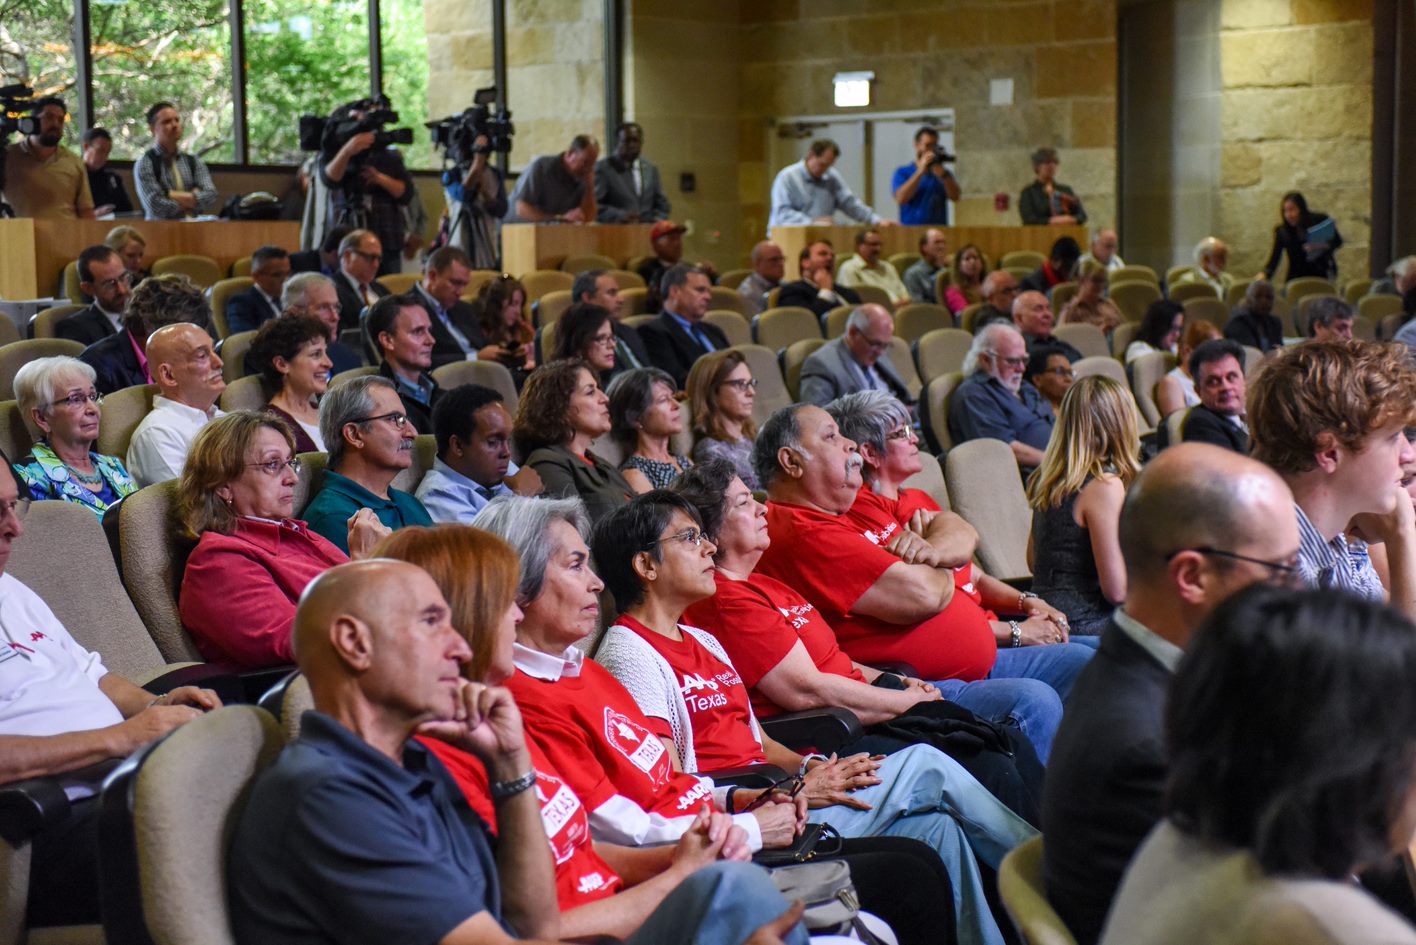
(159, 447)
(48, 683)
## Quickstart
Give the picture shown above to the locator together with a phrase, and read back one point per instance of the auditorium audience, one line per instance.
(562, 412)
(187, 371)
(1090, 304)
(857, 360)
(680, 336)
(666, 239)
(402, 329)
(324, 258)
(457, 336)
(354, 762)
(110, 195)
(252, 559)
(1032, 316)
(103, 278)
(370, 441)
(1160, 329)
(1050, 371)
(1266, 852)
(1106, 776)
(999, 291)
(1045, 201)
(721, 392)
(811, 191)
(1076, 497)
(248, 310)
(315, 295)
(60, 406)
(628, 188)
(816, 289)
(645, 416)
(44, 179)
(1330, 419)
(920, 277)
(506, 330)
(994, 402)
(359, 255)
(473, 465)
(1307, 238)
(867, 268)
(558, 187)
(906, 597)
(1103, 250)
(172, 184)
(598, 287)
(290, 354)
(121, 360)
(64, 712)
(1211, 258)
(968, 274)
(1218, 369)
(586, 331)
(368, 185)
(1059, 266)
(1176, 389)
(1253, 323)
(656, 562)
(769, 265)
(127, 242)
(1330, 319)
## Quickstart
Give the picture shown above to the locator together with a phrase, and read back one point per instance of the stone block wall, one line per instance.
(1295, 114)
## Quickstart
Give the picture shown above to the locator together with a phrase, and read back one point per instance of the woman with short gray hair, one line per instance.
(644, 418)
(59, 404)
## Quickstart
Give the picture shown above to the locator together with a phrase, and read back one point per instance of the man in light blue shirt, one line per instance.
(473, 430)
(810, 191)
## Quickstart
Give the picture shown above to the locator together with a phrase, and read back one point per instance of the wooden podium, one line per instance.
(527, 247)
(993, 240)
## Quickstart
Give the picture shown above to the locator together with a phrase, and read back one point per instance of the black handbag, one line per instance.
(817, 840)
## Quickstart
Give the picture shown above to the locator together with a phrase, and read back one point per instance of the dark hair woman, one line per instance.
(1307, 238)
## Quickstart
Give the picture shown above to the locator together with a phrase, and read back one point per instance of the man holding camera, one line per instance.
(923, 189)
(42, 178)
(368, 185)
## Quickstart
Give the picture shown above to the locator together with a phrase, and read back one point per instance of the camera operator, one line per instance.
(368, 186)
(923, 189)
(476, 203)
(44, 179)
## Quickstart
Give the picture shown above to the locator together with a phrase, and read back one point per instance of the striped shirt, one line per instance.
(1335, 563)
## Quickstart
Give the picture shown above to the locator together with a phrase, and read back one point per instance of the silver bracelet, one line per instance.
(1016, 636)
(504, 790)
(808, 758)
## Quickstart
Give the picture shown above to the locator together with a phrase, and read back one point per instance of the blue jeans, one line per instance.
(722, 904)
(1026, 688)
(928, 796)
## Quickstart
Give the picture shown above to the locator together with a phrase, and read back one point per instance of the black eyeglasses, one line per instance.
(1282, 572)
(399, 419)
(741, 384)
(790, 786)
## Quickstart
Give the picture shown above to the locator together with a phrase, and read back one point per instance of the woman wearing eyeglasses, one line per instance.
(291, 354)
(657, 562)
(59, 405)
(501, 311)
(645, 416)
(587, 332)
(253, 559)
(721, 391)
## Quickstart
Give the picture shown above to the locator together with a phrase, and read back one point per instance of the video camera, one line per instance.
(457, 134)
(16, 117)
(328, 135)
(941, 155)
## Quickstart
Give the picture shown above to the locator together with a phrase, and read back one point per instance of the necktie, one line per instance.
(702, 339)
(367, 295)
(485, 493)
(626, 356)
(638, 178)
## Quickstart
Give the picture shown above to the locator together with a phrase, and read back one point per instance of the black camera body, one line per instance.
(456, 134)
(328, 135)
(942, 155)
(17, 112)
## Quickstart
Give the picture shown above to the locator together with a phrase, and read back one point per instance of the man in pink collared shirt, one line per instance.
(120, 360)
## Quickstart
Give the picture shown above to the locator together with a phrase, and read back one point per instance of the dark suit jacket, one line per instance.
(463, 316)
(1203, 425)
(1105, 780)
(350, 305)
(830, 372)
(1248, 329)
(673, 350)
(115, 362)
(803, 294)
(85, 327)
(249, 310)
(634, 342)
(420, 416)
(615, 196)
(307, 260)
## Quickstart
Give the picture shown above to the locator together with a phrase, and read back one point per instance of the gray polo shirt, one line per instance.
(547, 186)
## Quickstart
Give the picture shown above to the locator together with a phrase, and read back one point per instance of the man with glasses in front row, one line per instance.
(858, 360)
(994, 402)
(1330, 418)
(1200, 524)
(370, 441)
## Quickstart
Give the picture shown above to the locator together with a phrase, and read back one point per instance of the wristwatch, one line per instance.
(1015, 638)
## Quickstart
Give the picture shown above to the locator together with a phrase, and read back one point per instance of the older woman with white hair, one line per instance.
(60, 404)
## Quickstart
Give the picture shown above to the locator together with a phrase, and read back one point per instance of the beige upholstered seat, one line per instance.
(732, 278)
(16, 354)
(778, 327)
(1133, 274)
(202, 270)
(541, 281)
(1061, 294)
(152, 557)
(941, 352)
(352, 373)
(244, 393)
(1133, 298)
(966, 316)
(122, 411)
(1192, 290)
(1086, 338)
(730, 300)
(1146, 372)
(934, 409)
(1363, 329)
(917, 320)
(627, 279)
(69, 283)
(833, 323)
(586, 261)
(552, 306)
(1121, 337)
(1174, 423)
(733, 323)
(794, 358)
(1253, 361)
(241, 267)
(1207, 308)
(635, 301)
(15, 437)
(930, 479)
(903, 360)
(1237, 290)
(233, 354)
(1355, 290)
(398, 282)
(486, 373)
(1175, 273)
(1378, 307)
(1029, 259)
(1101, 364)
(220, 293)
(902, 261)
(1025, 898)
(1296, 289)
(985, 488)
(43, 324)
(312, 468)
(476, 281)
(425, 450)
(873, 295)
(1303, 310)
(772, 392)
(638, 321)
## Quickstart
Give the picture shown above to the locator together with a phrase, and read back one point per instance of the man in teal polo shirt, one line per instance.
(370, 442)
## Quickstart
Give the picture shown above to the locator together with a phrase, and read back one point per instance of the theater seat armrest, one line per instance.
(824, 730)
(904, 670)
(28, 806)
(215, 677)
(1018, 583)
(749, 776)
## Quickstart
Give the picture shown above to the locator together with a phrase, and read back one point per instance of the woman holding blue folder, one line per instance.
(1307, 237)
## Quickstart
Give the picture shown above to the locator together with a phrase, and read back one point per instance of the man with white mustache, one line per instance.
(187, 371)
(994, 402)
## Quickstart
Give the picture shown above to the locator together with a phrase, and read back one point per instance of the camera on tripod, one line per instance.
(457, 134)
(328, 135)
(16, 112)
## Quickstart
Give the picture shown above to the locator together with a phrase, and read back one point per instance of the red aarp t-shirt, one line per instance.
(595, 736)
(758, 621)
(718, 705)
(832, 560)
(581, 875)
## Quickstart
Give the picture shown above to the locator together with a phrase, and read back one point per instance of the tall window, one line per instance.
(36, 47)
(145, 51)
(301, 58)
(405, 76)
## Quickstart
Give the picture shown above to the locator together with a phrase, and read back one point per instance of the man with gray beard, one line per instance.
(994, 402)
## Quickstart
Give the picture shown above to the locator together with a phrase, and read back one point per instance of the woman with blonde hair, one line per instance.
(1076, 495)
(1176, 389)
(721, 391)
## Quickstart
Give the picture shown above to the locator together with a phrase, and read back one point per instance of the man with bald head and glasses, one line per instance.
(858, 360)
(995, 402)
(1106, 776)
(370, 441)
